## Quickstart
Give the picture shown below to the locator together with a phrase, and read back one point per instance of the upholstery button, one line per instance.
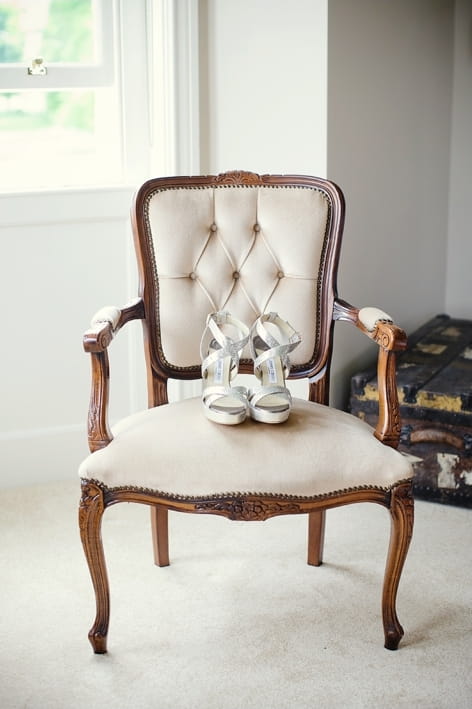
(257, 227)
(213, 227)
(193, 276)
(280, 274)
(236, 275)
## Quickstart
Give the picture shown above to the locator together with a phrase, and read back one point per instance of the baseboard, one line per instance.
(41, 455)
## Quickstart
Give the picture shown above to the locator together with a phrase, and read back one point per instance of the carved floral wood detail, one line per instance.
(389, 336)
(91, 494)
(238, 176)
(219, 504)
(403, 497)
(388, 427)
(249, 510)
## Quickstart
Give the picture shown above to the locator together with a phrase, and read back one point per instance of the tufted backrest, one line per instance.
(240, 242)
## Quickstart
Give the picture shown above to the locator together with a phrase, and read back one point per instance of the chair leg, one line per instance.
(316, 532)
(90, 520)
(160, 535)
(402, 515)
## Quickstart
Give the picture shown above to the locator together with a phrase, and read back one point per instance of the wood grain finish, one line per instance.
(96, 341)
(97, 497)
(90, 521)
(402, 517)
(316, 533)
(390, 339)
(160, 534)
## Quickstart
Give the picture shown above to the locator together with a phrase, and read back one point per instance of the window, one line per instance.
(97, 93)
(60, 111)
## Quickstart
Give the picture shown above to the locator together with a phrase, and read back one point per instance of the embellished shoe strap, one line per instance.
(228, 346)
(215, 392)
(255, 395)
(276, 349)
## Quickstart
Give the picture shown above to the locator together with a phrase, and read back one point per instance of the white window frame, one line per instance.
(15, 76)
(173, 86)
(160, 131)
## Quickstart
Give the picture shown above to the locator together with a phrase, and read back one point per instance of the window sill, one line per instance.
(48, 206)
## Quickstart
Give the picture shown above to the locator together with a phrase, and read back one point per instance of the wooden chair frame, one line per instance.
(96, 497)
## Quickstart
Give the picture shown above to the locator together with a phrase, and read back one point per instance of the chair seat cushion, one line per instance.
(174, 450)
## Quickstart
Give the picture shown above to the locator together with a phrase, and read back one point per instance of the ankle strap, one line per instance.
(277, 349)
(228, 346)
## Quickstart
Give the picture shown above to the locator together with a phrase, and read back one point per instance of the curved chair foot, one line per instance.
(98, 642)
(402, 513)
(393, 637)
(90, 518)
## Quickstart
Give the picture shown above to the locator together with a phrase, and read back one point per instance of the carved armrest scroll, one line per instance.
(378, 326)
(104, 326)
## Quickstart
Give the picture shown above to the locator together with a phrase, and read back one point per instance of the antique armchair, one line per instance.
(248, 244)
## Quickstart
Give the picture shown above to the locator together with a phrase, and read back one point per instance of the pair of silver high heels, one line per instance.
(224, 338)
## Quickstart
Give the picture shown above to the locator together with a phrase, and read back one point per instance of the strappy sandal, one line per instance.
(271, 341)
(220, 354)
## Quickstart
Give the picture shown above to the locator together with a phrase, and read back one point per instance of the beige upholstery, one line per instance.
(248, 250)
(369, 317)
(109, 314)
(174, 449)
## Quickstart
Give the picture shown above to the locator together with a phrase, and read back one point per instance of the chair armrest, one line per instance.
(106, 323)
(379, 326)
(104, 326)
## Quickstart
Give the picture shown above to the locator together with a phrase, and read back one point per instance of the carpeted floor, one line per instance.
(238, 620)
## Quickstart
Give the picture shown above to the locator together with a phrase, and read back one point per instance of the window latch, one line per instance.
(37, 67)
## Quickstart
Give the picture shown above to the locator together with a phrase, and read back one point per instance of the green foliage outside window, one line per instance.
(67, 37)
(9, 49)
(71, 19)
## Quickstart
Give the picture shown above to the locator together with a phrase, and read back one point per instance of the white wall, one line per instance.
(263, 67)
(389, 98)
(459, 263)
(63, 256)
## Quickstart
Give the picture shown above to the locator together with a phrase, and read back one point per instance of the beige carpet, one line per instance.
(238, 620)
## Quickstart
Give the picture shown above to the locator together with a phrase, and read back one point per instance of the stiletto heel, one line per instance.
(220, 354)
(272, 401)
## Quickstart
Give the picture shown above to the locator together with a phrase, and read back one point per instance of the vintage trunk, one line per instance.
(434, 377)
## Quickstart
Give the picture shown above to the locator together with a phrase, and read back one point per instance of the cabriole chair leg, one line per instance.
(90, 520)
(402, 513)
